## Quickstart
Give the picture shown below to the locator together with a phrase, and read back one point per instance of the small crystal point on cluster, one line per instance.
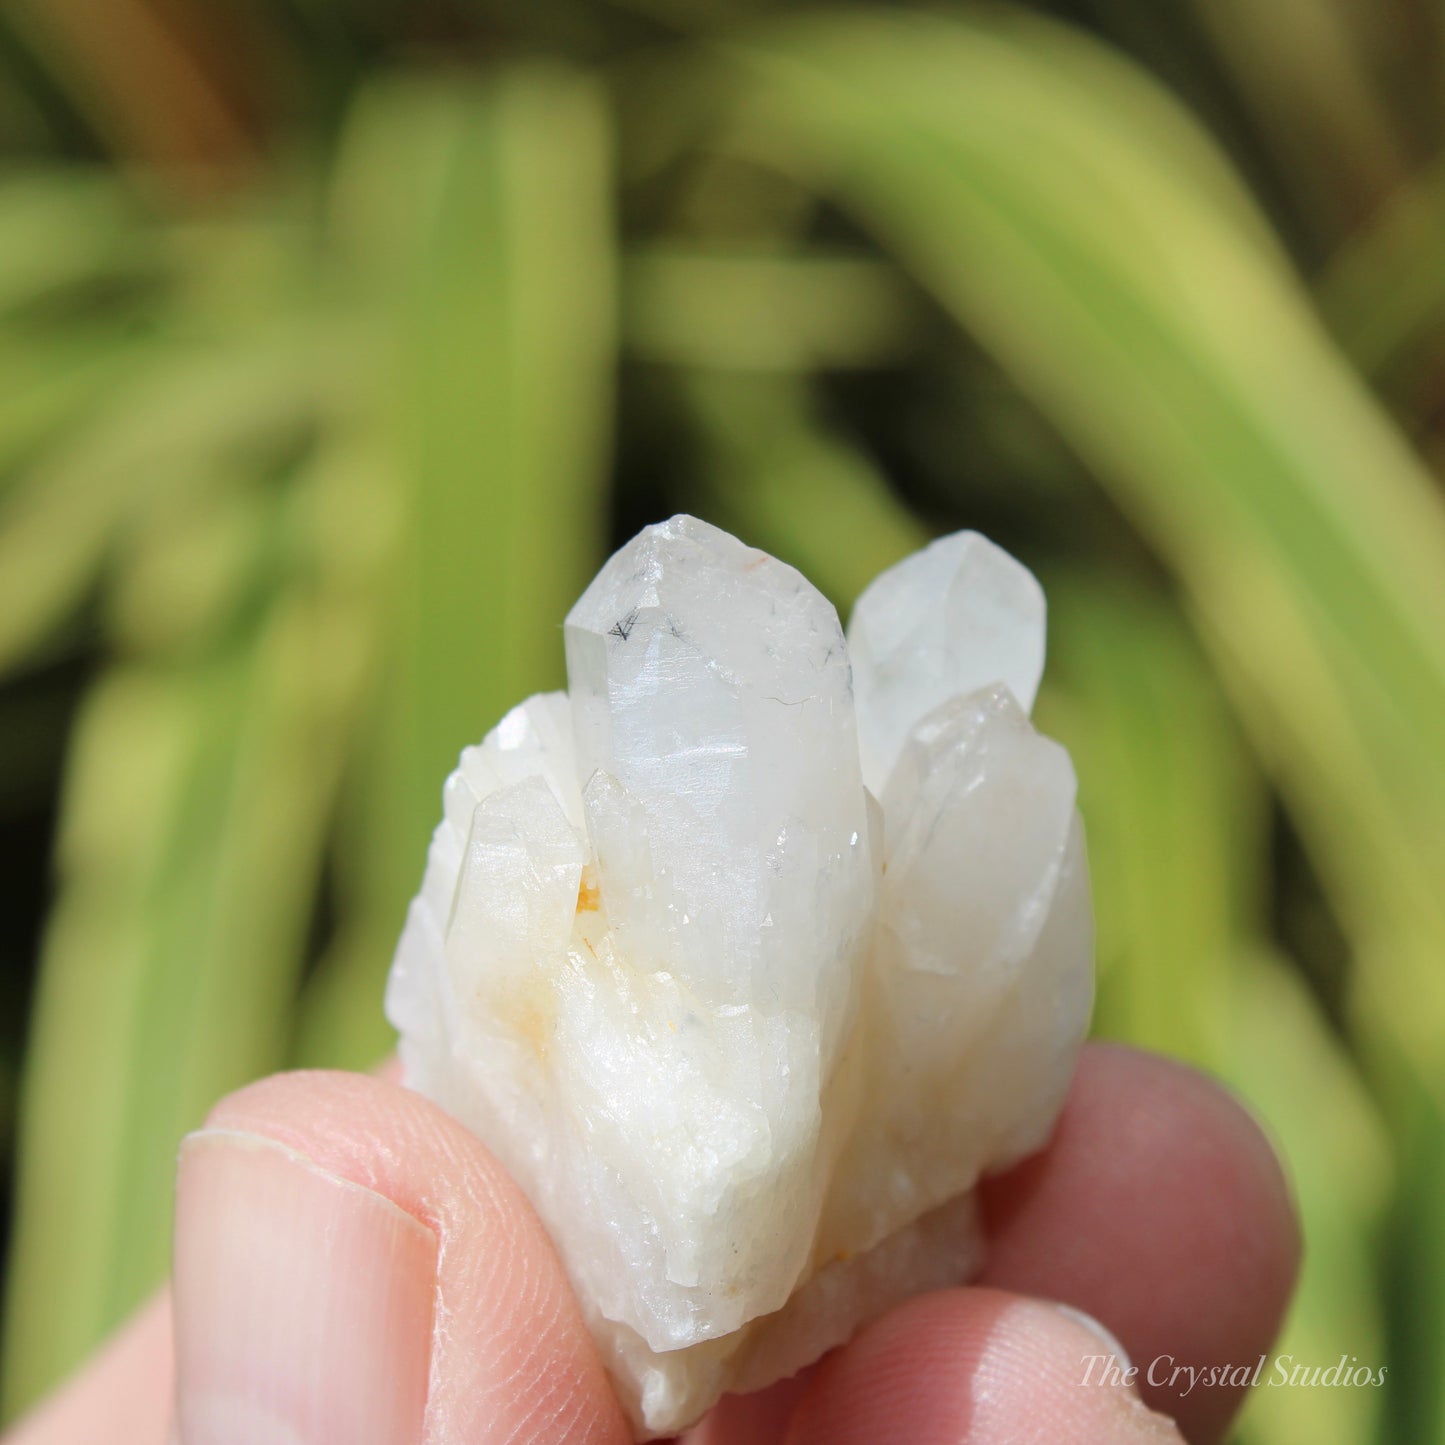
(750, 953)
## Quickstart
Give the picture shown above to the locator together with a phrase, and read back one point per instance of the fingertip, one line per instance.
(345, 1164)
(304, 1301)
(1161, 1208)
(974, 1367)
(759, 1418)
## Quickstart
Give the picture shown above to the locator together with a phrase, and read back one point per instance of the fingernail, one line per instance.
(303, 1301)
(1104, 1336)
(1126, 1417)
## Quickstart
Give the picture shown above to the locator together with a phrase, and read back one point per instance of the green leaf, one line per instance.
(481, 211)
(197, 801)
(53, 381)
(1073, 219)
(1082, 228)
(1284, 1058)
(1177, 821)
(1174, 812)
(65, 228)
(1413, 1264)
(770, 311)
(162, 433)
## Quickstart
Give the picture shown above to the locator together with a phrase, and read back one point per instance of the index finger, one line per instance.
(1161, 1209)
(1158, 1208)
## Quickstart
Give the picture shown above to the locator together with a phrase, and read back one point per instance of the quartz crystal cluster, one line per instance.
(753, 950)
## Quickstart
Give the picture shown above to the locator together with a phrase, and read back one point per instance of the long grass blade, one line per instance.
(1174, 812)
(1065, 212)
(160, 434)
(1059, 208)
(1178, 817)
(481, 212)
(197, 801)
(770, 311)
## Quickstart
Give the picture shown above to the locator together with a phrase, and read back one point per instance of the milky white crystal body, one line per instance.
(750, 953)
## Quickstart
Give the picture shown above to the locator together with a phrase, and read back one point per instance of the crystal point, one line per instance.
(718, 756)
(749, 953)
(958, 615)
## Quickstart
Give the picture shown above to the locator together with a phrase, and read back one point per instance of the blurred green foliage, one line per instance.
(339, 340)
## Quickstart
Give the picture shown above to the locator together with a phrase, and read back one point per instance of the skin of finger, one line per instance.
(972, 1367)
(124, 1395)
(1161, 1209)
(1158, 1207)
(511, 1356)
(1039, 1217)
(757, 1419)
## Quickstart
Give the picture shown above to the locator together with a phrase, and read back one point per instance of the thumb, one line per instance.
(351, 1264)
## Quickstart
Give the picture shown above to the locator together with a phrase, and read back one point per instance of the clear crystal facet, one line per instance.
(747, 1037)
(959, 615)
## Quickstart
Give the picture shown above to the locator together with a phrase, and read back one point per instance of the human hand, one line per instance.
(353, 1268)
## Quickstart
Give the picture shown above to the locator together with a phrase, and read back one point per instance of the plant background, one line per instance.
(339, 339)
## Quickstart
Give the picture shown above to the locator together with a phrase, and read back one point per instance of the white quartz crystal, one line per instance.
(745, 1035)
(954, 617)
